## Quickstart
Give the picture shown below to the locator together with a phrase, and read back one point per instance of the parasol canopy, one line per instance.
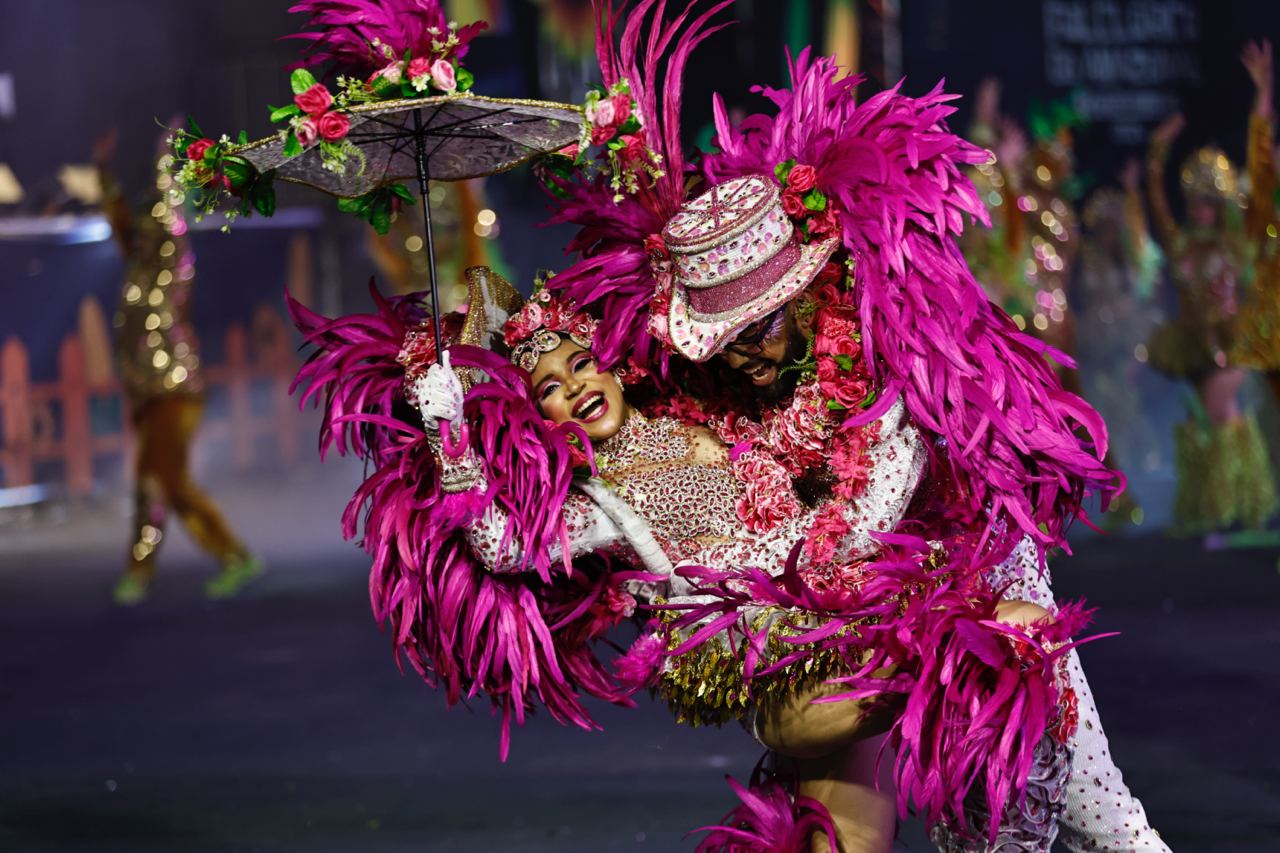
(460, 136)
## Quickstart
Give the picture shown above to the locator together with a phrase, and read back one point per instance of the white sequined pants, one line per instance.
(1101, 813)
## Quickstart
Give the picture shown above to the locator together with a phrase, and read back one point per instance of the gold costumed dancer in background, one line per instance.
(156, 351)
(1224, 474)
(1257, 343)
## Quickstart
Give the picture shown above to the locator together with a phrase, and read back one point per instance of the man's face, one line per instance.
(764, 348)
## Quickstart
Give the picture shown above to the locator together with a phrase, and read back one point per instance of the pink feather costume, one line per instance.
(932, 333)
(1009, 465)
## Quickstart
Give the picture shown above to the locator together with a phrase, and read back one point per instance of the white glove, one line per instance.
(439, 396)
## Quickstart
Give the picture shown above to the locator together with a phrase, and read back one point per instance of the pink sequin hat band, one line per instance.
(736, 258)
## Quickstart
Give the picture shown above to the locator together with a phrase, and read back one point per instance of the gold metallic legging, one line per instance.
(165, 427)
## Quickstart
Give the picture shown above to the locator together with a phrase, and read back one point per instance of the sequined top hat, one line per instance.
(736, 257)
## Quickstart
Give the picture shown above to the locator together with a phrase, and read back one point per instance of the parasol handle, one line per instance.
(424, 189)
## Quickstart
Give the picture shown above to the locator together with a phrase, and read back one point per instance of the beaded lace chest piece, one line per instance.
(677, 478)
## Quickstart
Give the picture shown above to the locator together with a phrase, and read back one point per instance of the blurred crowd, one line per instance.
(1117, 282)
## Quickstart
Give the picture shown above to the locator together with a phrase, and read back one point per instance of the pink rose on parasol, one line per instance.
(333, 126)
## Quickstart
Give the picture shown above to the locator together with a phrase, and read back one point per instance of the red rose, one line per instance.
(826, 223)
(830, 275)
(333, 126)
(633, 148)
(793, 205)
(601, 135)
(621, 109)
(802, 178)
(850, 392)
(314, 101)
(195, 151)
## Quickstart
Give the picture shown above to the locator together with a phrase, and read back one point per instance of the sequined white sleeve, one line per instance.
(588, 528)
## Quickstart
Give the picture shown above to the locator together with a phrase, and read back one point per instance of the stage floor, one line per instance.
(278, 721)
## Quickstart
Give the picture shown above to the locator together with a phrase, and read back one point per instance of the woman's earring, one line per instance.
(618, 379)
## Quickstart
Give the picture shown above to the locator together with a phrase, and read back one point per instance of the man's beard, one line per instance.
(784, 385)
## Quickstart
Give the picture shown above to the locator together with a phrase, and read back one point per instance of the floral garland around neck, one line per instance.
(810, 433)
(217, 177)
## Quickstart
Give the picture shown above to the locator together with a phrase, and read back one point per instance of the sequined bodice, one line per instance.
(677, 478)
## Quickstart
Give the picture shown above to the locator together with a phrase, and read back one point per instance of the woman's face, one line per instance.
(568, 388)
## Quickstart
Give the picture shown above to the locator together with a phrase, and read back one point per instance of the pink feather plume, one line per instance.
(343, 32)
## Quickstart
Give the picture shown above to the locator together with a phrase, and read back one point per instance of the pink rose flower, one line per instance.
(333, 126)
(306, 132)
(314, 101)
(848, 392)
(793, 206)
(443, 77)
(601, 115)
(195, 151)
(418, 68)
(391, 72)
(802, 178)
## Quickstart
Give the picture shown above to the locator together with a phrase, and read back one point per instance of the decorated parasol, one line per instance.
(411, 120)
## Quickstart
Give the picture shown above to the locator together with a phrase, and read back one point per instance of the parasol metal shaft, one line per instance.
(424, 189)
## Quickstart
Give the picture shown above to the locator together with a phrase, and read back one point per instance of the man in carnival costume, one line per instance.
(857, 298)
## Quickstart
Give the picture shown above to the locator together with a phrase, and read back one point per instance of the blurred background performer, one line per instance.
(156, 351)
(1115, 286)
(1026, 260)
(1224, 473)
